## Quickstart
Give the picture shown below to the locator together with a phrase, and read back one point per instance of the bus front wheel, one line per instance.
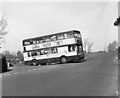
(63, 60)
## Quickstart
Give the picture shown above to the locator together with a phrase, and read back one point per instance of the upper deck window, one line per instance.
(40, 41)
(70, 35)
(53, 38)
(60, 36)
(34, 42)
(65, 35)
(77, 34)
(26, 43)
(37, 41)
(46, 39)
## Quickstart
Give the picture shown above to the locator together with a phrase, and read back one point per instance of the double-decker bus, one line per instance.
(59, 47)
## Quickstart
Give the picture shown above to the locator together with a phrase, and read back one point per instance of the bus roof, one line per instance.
(50, 35)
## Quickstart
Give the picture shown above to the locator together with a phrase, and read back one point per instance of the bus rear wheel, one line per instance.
(63, 60)
(34, 62)
(43, 63)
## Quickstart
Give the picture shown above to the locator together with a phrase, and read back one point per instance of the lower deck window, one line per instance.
(80, 48)
(43, 52)
(33, 53)
(29, 54)
(72, 48)
(54, 50)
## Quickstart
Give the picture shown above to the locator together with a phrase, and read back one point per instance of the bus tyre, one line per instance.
(83, 57)
(63, 60)
(34, 62)
(43, 63)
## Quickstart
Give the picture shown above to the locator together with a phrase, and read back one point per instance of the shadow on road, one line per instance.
(82, 61)
(8, 70)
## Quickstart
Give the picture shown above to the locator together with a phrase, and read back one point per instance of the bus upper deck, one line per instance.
(52, 37)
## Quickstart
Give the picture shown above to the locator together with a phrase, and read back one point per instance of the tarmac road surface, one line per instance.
(97, 76)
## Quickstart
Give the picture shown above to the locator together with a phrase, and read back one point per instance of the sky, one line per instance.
(95, 21)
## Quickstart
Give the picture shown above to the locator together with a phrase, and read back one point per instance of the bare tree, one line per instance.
(85, 42)
(105, 48)
(20, 55)
(89, 46)
(112, 46)
(3, 32)
(9, 55)
(117, 22)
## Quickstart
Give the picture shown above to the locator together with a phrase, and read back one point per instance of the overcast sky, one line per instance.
(95, 21)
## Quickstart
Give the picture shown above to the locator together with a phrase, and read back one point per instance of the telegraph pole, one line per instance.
(117, 22)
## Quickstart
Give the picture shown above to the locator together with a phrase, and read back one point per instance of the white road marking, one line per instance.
(16, 73)
(34, 69)
(6, 74)
(116, 57)
(29, 70)
(115, 60)
(9, 74)
(116, 92)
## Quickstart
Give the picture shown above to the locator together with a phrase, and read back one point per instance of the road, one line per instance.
(97, 76)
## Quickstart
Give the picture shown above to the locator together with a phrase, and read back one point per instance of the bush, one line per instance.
(3, 64)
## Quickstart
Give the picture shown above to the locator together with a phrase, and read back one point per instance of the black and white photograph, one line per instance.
(59, 48)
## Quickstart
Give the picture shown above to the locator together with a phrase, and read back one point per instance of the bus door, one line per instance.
(79, 50)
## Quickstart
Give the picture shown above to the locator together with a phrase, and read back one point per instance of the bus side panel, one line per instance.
(71, 56)
(26, 58)
(51, 58)
(62, 51)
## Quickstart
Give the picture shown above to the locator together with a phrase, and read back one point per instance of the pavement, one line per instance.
(24, 69)
(97, 76)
